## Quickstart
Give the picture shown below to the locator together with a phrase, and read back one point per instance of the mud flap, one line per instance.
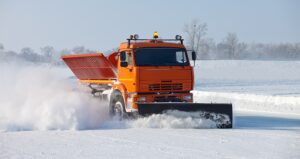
(222, 111)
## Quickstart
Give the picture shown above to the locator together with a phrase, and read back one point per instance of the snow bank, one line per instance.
(265, 86)
(247, 70)
(253, 77)
(38, 97)
(252, 102)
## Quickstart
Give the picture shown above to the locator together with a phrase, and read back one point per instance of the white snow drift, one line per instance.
(36, 97)
(252, 102)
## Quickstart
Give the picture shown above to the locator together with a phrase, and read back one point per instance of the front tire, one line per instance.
(117, 107)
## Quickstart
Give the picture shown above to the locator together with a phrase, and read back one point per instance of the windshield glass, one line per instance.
(160, 57)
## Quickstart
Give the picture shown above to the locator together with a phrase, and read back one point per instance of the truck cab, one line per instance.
(151, 71)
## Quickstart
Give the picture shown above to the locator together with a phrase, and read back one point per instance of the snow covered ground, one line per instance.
(254, 77)
(60, 122)
(153, 143)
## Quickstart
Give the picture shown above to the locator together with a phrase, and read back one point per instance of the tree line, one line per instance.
(231, 48)
(195, 33)
(46, 54)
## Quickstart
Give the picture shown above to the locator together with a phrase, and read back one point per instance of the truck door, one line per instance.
(126, 70)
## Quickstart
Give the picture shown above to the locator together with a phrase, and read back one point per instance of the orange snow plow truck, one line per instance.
(144, 77)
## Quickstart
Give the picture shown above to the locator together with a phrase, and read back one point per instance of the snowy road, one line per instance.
(254, 136)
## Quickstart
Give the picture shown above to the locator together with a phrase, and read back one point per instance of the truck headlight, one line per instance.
(141, 99)
(187, 97)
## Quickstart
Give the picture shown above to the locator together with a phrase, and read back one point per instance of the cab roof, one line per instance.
(150, 44)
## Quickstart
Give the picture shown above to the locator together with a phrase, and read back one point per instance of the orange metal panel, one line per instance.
(91, 66)
(98, 81)
(149, 44)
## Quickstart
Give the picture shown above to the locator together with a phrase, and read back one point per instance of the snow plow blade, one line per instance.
(220, 113)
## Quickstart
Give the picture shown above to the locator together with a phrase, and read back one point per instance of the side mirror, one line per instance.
(194, 56)
(122, 56)
(124, 63)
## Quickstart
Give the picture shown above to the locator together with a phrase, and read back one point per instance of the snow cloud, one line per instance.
(40, 97)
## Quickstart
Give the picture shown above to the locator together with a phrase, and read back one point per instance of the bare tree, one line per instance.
(231, 48)
(232, 44)
(48, 53)
(29, 55)
(207, 48)
(195, 31)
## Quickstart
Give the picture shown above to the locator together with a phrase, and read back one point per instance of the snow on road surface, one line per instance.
(152, 143)
(63, 122)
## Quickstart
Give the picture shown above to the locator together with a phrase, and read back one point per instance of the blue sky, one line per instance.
(102, 25)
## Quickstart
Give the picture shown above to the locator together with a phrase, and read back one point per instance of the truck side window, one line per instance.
(129, 58)
(181, 57)
(126, 57)
(123, 56)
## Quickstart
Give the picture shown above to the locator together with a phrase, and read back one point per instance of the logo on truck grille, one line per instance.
(163, 87)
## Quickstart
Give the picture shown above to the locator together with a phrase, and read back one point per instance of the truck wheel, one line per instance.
(117, 108)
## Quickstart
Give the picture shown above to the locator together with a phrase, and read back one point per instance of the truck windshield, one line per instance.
(160, 57)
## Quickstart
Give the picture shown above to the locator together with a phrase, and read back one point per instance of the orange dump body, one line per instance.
(92, 66)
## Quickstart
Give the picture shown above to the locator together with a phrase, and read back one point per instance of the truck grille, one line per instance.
(166, 99)
(165, 87)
